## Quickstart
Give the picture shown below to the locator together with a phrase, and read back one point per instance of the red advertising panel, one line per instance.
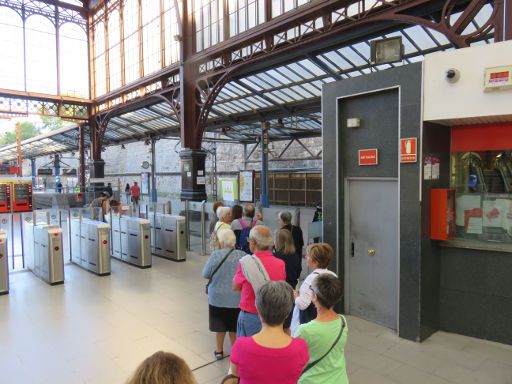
(368, 156)
(22, 196)
(409, 150)
(5, 197)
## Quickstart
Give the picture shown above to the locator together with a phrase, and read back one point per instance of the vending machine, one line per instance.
(5, 197)
(21, 195)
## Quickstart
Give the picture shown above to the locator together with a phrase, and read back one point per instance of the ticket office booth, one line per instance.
(475, 262)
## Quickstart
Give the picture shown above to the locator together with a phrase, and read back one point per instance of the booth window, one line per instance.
(481, 174)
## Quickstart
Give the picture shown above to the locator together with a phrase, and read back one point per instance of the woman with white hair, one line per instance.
(224, 216)
(223, 302)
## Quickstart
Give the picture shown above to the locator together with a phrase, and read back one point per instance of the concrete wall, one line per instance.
(465, 98)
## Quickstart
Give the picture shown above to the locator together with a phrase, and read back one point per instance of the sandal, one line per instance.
(218, 355)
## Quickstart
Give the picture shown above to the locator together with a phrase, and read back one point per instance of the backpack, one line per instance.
(244, 235)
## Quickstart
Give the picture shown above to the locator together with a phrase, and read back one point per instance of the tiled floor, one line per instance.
(97, 330)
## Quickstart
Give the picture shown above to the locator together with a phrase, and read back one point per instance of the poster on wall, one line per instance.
(228, 188)
(246, 186)
(144, 188)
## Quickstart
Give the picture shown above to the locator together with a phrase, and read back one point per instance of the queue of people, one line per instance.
(285, 333)
(280, 332)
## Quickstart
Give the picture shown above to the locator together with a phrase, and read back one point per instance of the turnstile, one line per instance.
(90, 245)
(43, 250)
(169, 239)
(131, 240)
(4, 265)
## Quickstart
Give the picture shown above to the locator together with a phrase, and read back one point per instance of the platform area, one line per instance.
(98, 329)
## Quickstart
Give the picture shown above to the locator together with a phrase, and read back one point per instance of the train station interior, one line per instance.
(373, 139)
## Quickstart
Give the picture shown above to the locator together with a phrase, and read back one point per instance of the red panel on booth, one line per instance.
(483, 137)
(442, 214)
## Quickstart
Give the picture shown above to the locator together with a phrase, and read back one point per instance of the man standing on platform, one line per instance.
(135, 192)
(253, 271)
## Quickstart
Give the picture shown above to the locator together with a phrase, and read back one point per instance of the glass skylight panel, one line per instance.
(238, 89)
(352, 56)
(421, 38)
(291, 72)
(338, 60)
(162, 108)
(302, 91)
(363, 49)
(311, 68)
(484, 15)
(253, 82)
(227, 108)
(312, 89)
(256, 101)
(277, 98)
(329, 63)
(277, 78)
(220, 110)
(243, 104)
(273, 83)
(292, 95)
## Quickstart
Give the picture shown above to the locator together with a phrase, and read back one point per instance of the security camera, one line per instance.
(452, 75)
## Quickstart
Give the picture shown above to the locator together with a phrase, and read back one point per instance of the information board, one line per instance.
(246, 181)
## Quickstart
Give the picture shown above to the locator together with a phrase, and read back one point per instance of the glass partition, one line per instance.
(483, 186)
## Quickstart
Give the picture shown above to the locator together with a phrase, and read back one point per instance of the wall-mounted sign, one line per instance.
(68, 171)
(246, 186)
(44, 171)
(228, 188)
(498, 78)
(368, 156)
(409, 150)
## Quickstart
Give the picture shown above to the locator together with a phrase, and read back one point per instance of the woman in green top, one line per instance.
(326, 336)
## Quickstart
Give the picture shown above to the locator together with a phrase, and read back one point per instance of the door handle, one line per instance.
(352, 248)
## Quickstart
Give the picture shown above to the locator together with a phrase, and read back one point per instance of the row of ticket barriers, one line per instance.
(92, 243)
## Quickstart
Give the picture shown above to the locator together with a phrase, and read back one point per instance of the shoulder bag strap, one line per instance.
(261, 267)
(242, 223)
(218, 266)
(313, 363)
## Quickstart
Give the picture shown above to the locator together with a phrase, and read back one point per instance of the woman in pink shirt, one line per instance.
(270, 356)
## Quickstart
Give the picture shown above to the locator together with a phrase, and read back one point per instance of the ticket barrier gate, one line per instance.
(169, 238)
(43, 247)
(131, 240)
(4, 267)
(90, 245)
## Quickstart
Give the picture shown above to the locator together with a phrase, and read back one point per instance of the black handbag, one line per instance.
(308, 314)
(216, 269)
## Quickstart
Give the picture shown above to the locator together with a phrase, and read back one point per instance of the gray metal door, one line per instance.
(373, 250)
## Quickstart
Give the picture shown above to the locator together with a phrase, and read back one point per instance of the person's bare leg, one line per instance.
(232, 336)
(220, 341)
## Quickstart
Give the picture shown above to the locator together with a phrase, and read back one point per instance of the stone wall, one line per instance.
(124, 165)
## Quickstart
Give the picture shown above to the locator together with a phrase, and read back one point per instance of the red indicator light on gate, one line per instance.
(56, 248)
(105, 242)
(55, 235)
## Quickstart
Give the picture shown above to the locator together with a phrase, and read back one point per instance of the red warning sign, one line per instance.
(368, 156)
(409, 150)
